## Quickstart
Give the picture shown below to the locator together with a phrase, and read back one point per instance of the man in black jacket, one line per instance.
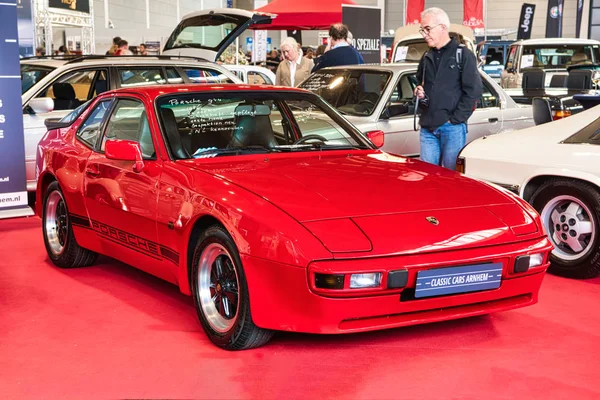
(449, 90)
(341, 52)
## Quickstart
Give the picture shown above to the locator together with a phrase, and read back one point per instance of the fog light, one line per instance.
(361, 281)
(329, 281)
(523, 263)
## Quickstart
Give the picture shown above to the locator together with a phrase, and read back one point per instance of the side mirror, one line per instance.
(42, 105)
(394, 110)
(125, 150)
(377, 138)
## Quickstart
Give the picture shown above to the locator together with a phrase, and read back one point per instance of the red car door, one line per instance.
(121, 202)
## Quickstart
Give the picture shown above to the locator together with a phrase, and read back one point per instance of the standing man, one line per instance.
(143, 50)
(451, 85)
(294, 68)
(341, 52)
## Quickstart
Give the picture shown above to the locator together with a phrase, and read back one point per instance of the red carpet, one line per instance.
(111, 331)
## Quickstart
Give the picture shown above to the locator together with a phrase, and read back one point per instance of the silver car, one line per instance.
(52, 88)
(380, 98)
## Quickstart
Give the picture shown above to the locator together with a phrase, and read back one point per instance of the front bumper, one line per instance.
(281, 297)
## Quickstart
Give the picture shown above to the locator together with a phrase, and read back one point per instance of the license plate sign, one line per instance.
(451, 280)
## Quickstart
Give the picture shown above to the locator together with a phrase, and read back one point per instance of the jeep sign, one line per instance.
(526, 21)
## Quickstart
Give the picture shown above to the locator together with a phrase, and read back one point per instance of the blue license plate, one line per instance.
(470, 278)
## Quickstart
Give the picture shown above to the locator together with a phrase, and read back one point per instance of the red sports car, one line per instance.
(275, 213)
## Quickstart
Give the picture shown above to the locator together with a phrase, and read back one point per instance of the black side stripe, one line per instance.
(81, 221)
(169, 254)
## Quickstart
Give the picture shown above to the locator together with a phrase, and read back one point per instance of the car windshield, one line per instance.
(32, 74)
(211, 124)
(351, 91)
(558, 56)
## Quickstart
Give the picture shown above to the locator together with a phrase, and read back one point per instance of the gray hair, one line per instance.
(289, 41)
(439, 15)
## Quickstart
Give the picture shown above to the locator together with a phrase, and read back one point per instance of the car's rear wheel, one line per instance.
(570, 212)
(61, 246)
(221, 295)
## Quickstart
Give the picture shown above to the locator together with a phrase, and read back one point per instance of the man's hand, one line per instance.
(419, 92)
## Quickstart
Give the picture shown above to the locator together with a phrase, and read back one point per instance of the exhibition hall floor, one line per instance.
(110, 331)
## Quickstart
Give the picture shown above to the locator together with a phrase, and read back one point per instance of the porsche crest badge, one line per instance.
(432, 220)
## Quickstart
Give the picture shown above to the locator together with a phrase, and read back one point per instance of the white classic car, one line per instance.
(252, 74)
(556, 168)
(380, 98)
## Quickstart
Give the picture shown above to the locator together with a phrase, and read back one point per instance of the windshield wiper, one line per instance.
(316, 146)
(214, 152)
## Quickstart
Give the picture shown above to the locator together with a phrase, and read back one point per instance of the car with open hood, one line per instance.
(275, 213)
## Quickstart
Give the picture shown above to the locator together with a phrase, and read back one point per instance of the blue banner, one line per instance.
(13, 186)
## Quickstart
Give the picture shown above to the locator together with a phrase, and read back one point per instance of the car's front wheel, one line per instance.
(570, 212)
(221, 293)
(61, 246)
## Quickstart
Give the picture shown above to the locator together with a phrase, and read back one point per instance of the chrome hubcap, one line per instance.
(218, 286)
(570, 227)
(56, 222)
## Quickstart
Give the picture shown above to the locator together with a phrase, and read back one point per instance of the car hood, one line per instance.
(367, 201)
(335, 184)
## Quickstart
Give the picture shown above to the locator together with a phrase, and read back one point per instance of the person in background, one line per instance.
(341, 52)
(294, 68)
(115, 46)
(142, 50)
(310, 53)
(349, 39)
(40, 52)
(63, 51)
(123, 49)
(448, 90)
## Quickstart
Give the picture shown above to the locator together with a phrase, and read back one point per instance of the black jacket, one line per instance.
(452, 94)
(345, 55)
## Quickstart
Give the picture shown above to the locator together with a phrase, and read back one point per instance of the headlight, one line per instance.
(362, 281)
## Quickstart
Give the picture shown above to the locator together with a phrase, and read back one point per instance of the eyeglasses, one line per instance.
(427, 30)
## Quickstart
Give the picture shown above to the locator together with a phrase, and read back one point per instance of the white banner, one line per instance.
(13, 199)
(259, 46)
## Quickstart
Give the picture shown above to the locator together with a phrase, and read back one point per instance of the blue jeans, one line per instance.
(441, 146)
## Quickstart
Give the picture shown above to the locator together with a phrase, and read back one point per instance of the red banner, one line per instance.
(473, 15)
(414, 8)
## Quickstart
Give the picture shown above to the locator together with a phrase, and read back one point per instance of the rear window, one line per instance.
(588, 135)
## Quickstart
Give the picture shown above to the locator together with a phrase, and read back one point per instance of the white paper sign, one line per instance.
(259, 46)
(527, 61)
(401, 53)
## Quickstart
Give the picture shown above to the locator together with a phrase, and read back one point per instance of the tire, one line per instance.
(220, 293)
(61, 246)
(570, 213)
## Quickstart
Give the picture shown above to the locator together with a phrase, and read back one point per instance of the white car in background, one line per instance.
(556, 168)
(252, 74)
(53, 87)
(409, 44)
(380, 98)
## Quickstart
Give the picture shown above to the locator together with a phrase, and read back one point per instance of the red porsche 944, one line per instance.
(275, 213)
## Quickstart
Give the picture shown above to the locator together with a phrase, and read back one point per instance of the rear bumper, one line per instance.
(281, 298)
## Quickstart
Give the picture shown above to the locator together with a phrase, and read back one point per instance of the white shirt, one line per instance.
(293, 66)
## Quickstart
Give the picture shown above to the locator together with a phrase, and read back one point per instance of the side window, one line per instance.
(510, 60)
(89, 131)
(403, 95)
(312, 122)
(205, 75)
(173, 76)
(488, 97)
(72, 89)
(130, 122)
(255, 78)
(141, 77)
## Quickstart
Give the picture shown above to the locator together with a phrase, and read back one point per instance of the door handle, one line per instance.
(492, 120)
(92, 170)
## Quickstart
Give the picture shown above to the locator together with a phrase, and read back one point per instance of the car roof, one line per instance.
(116, 60)
(556, 41)
(158, 90)
(401, 66)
